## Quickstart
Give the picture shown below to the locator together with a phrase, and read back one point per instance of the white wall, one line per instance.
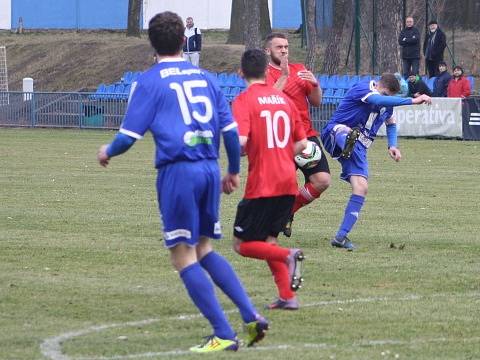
(207, 14)
(5, 14)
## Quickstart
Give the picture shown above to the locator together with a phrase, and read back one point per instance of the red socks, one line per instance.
(263, 250)
(305, 196)
(282, 279)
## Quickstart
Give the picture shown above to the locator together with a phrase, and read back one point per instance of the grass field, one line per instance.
(84, 275)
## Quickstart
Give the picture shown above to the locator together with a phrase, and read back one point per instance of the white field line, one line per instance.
(51, 347)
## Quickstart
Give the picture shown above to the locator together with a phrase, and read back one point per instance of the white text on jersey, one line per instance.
(272, 99)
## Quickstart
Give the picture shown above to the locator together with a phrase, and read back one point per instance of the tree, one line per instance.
(388, 29)
(134, 9)
(311, 36)
(331, 59)
(252, 25)
(240, 17)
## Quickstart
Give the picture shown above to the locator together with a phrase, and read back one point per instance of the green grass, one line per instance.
(80, 246)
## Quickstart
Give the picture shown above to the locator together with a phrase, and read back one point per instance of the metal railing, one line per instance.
(90, 110)
(59, 109)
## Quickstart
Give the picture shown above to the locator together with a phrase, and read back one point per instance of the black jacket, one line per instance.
(193, 43)
(440, 84)
(434, 52)
(409, 40)
(418, 86)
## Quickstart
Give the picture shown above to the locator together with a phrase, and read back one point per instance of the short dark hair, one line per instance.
(442, 63)
(166, 33)
(254, 63)
(390, 82)
(459, 68)
(271, 36)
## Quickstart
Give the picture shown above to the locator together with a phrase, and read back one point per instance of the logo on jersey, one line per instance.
(176, 71)
(197, 137)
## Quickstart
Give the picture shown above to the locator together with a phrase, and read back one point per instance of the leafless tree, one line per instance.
(389, 24)
(240, 17)
(312, 38)
(134, 9)
(331, 59)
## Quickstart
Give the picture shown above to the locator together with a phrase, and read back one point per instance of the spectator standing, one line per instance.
(459, 86)
(417, 87)
(440, 84)
(433, 47)
(193, 42)
(409, 40)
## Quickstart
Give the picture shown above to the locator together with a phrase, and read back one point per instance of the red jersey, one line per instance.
(272, 125)
(297, 90)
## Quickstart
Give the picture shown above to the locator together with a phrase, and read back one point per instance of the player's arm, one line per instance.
(300, 146)
(315, 95)
(384, 100)
(393, 150)
(120, 144)
(231, 181)
(282, 80)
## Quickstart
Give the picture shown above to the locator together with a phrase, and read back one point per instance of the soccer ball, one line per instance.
(309, 157)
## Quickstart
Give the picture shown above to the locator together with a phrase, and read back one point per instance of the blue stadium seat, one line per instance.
(430, 82)
(343, 82)
(323, 79)
(353, 80)
(328, 96)
(366, 77)
(332, 82)
(338, 95)
(471, 79)
(222, 79)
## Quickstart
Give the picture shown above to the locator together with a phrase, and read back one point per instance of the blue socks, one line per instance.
(202, 293)
(226, 279)
(350, 217)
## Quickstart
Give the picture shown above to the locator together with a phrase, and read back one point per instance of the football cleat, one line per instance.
(287, 231)
(256, 330)
(350, 143)
(279, 304)
(343, 243)
(294, 263)
(214, 343)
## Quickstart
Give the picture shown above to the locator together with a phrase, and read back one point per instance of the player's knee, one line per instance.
(236, 245)
(320, 181)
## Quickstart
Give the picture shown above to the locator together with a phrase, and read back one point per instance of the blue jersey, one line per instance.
(355, 110)
(184, 110)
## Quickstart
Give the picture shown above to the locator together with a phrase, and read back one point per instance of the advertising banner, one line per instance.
(442, 118)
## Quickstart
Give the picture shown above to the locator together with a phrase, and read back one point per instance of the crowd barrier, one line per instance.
(446, 117)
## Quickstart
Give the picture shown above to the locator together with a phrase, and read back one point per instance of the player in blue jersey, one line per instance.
(351, 131)
(186, 113)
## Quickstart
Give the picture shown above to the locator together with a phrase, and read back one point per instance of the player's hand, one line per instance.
(284, 65)
(102, 156)
(395, 153)
(230, 183)
(422, 99)
(308, 76)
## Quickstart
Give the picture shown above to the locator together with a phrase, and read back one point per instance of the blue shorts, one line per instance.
(357, 164)
(189, 197)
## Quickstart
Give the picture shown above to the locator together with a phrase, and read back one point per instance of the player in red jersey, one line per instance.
(301, 86)
(271, 134)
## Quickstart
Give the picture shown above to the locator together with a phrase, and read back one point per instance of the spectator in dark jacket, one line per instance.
(417, 87)
(409, 40)
(459, 86)
(433, 47)
(441, 81)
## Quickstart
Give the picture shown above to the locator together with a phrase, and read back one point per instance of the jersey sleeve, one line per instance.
(140, 113)
(241, 116)
(298, 129)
